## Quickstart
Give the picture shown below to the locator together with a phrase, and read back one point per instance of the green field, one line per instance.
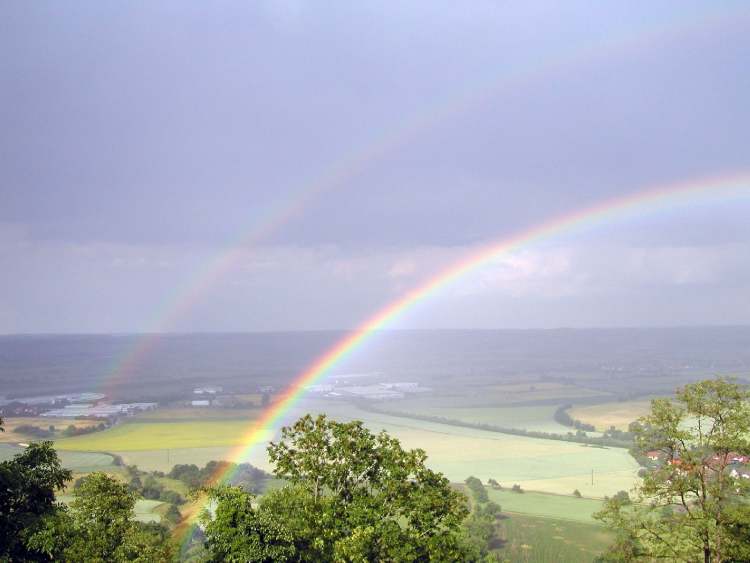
(562, 507)
(536, 464)
(81, 462)
(161, 435)
(542, 465)
(535, 539)
(538, 418)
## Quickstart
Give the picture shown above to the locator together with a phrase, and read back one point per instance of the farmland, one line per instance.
(536, 539)
(161, 435)
(617, 414)
(562, 507)
(77, 461)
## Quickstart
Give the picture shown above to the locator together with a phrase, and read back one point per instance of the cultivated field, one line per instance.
(161, 436)
(562, 507)
(543, 540)
(539, 418)
(81, 462)
(537, 464)
(617, 414)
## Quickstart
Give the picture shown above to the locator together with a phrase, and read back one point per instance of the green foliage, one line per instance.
(31, 430)
(238, 532)
(244, 474)
(351, 496)
(477, 489)
(99, 527)
(27, 495)
(691, 507)
(577, 493)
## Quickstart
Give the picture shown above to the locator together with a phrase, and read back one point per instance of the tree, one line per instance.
(477, 489)
(238, 532)
(352, 496)
(27, 494)
(692, 507)
(99, 527)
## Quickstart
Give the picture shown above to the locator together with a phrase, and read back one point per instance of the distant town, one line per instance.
(90, 405)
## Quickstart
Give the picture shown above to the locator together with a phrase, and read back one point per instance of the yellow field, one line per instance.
(617, 414)
(161, 435)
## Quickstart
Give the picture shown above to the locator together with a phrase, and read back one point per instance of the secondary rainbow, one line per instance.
(691, 193)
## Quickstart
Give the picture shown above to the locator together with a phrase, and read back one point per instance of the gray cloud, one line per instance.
(139, 141)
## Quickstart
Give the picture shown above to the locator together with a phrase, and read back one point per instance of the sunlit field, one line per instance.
(617, 414)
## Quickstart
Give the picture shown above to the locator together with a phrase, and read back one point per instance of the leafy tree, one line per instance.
(27, 494)
(238, 532)
(577, 493)
(477, 489)
(692, 507)
(351, 496)
(99, 527)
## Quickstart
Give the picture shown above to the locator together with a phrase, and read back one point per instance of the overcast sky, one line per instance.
(141, 141)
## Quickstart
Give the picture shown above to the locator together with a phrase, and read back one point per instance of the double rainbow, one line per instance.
(670, 197)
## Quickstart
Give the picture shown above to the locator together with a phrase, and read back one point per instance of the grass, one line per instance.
(533, 539)
(538, 417)
(562, 507)
(80, 462)
(161, 436)
(617, 414)
(537, 464)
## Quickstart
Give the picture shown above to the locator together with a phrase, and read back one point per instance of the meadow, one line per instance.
(533, 539)
(81, 462)
(536, 464)
(561, 507)
(617, 414)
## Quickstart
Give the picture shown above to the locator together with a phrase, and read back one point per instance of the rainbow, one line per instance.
(185, 298)
(655, 199)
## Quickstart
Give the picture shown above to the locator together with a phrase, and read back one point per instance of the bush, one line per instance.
(516, 488)
(477, 489)
(172, 497)
(31, 430)
(577, 493)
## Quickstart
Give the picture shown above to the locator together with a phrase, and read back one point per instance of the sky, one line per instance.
(342, 153)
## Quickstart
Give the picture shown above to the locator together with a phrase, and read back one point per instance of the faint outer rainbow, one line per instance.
(730, 187)
(185, 298)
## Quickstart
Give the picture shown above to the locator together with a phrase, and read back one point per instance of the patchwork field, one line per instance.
(617, 414)
(536, 464)
(533, 539)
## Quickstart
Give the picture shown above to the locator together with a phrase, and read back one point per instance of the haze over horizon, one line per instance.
(140, 142)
